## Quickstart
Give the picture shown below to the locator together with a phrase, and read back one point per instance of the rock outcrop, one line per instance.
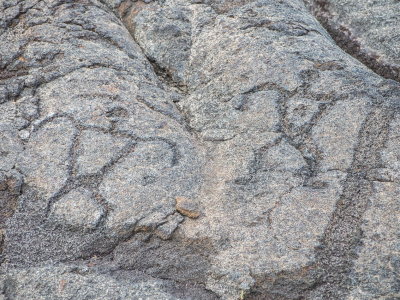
(189, 149)
(368, 30)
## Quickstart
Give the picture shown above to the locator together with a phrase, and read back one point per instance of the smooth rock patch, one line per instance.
(77, 209)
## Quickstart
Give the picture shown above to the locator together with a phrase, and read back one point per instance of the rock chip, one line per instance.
(187, 207)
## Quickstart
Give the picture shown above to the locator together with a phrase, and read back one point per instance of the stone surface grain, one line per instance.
(198, 149)
(368, 30)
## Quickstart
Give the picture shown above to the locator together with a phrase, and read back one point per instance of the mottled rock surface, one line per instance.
(189, 149)
(368, 30)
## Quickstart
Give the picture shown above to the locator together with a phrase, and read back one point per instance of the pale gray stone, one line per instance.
(165, 231)
(376, 271)
(75, 282)
(46, 159)
(152, 27)
(97, 149)
(366, 29)
(77, 209)
(141, 184)
(113, 110)
(336, 133)
(10, 147)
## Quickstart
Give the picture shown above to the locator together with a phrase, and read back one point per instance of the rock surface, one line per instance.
(189, 149)
(368, 30)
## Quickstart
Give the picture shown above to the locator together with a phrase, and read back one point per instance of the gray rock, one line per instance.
(10, 147)
(114, 110)
(143, 184)
(164, 28)
(97, 149)
(165, 231)
(77, 209)
(10, 189)
(376, 270)
(72, 282)
(45, 161)
(283, 147)
(367, 30)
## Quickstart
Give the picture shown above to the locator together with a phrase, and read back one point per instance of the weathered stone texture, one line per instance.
(189, 149)
(367, 30)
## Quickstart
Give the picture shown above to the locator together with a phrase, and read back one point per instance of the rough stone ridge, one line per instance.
(195, 149)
